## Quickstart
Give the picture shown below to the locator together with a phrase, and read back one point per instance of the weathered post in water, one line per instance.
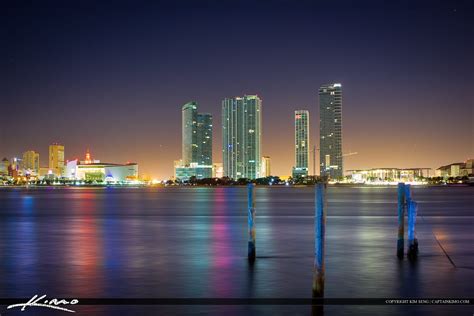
(251, 221)
(407, 196)
(319, 232)
(412, 241)
(401, 220)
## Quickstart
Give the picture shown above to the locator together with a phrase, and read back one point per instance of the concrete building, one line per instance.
(266, 167)
(330, 133)
(30, 162)
(301, 144)
(458, 169)
(4, 166)
(94, 170)
(56, 159)
(241, 136)
(389, 174)
(193, 170)
(217, 170)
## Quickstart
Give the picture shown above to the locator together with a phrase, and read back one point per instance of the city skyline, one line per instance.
(112, 87)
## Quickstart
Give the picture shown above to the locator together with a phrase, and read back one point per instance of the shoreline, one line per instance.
(135, 186)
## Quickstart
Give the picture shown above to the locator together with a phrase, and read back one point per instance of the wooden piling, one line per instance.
(412, 241)
(319, 234)
(401, 220)
(251, 222)
(407, 196)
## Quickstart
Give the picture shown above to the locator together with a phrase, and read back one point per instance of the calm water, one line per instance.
(192, 242)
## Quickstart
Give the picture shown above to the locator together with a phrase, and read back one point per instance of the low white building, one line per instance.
(97, 171)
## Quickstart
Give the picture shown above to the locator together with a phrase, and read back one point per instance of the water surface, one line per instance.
(192, 242)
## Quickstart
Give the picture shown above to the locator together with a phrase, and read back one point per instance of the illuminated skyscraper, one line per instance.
(196, 144)
(330, 133)
(189, 133)
(30, 162)
(301, 144)
(56, 159)
(241, 136)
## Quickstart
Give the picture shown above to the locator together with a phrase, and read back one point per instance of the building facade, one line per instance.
(330, 133)
(56, 159)
(4, 166)
(241, 136)
(93, 170)
(458, 169)
(389, 174)
(301, 144)
(266, 167)
(30, 162)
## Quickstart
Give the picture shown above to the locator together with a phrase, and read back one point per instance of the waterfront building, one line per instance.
(301, 144)
(14, 169)
(4, 165)
(389, 174)
(266, 167)
(196, 144)
(241, 136)
(45, 172)
(193, 170)
(458, 169)
(56, 159)
(217, 170)
(30, 162)
(330, 130)
(94, 170)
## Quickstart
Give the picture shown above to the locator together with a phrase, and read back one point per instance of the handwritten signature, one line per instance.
(40, 301)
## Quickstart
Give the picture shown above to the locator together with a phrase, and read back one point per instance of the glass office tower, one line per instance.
(241, 136)
(301, 144)
(196, 160)
(330, 133)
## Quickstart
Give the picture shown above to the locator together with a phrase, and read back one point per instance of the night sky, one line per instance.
(112, 77)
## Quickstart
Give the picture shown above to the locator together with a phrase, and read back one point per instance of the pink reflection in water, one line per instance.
(221, 243)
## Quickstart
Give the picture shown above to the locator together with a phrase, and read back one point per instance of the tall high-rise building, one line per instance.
(241, 136)
(204, 139)
(265, 167)
(189, 133)
(56, 159)
(196, 160)
(301, 144)
(330, 133)
(30, 162)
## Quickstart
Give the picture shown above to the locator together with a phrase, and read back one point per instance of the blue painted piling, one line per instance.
(319, 234)
(401, 220)
(251, 222)
(412, 241)
(407, 196)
